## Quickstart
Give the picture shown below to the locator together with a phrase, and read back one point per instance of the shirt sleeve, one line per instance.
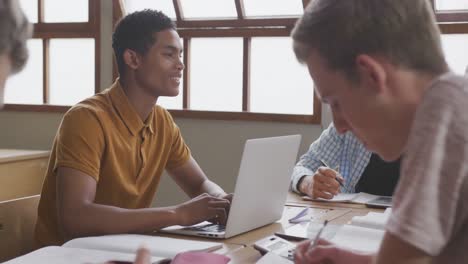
(180, 152)
(429, 191)
(80, 142)
(327, 147)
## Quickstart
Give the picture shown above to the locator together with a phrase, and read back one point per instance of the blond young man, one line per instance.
(380, 66)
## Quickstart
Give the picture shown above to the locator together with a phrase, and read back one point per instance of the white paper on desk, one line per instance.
(359, 238)
(360, 198)
(60, 255)
(272, 258)
(158, 246)
(372, 219)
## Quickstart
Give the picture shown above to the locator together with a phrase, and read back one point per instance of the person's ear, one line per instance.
(371, 72)
(132, 59)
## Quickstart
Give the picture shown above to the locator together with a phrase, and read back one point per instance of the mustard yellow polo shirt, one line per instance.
(104, 137)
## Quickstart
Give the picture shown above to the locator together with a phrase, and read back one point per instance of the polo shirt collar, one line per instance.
(127, 112)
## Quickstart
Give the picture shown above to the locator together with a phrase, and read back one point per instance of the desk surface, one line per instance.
(240, 248)
(337, 213)
(8, 155)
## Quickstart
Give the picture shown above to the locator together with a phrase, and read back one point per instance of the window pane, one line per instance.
(166, 6)
(273, 7)
(56, 11)
(216, 74)
(283, 86)
(26, 86)
(451, 4)
(454, 46)
(71, 70)
(30, 9)
(209, 8)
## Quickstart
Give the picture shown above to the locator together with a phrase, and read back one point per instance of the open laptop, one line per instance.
(261, 188)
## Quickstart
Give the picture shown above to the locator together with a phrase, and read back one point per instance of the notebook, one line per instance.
(100, 249)
(255, 203)
(60, 255)
(358, 198)
(128, 243)
(364, 233)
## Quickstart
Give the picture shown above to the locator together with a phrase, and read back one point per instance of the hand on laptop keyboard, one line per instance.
(201, 208)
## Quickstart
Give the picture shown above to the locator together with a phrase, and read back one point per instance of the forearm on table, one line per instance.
(96, 219)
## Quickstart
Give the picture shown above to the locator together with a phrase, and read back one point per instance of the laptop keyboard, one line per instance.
(208, 228)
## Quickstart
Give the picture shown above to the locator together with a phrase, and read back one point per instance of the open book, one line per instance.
(114, 247)
(359, 198)
(364, 233)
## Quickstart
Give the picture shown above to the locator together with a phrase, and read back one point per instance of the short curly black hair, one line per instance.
(136, 32)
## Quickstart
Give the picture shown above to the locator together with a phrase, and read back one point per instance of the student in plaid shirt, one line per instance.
(350, 162)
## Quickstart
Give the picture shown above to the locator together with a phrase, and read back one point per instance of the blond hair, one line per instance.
(403, 31)
(14, 31)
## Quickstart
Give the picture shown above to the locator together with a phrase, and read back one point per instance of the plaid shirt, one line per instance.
(345, 151)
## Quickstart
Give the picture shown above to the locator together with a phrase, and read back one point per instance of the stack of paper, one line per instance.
(360, 198)
(359, 238)
(372, 220)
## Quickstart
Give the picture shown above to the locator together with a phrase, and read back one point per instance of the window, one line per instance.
(229, 73)
(216, 74)
(165, 6)
(282, 87)
(217, 9)
(269, 8)
(455, 46)
(451, 5)
(59, 11)
(453, 18)
(26, 87)
(63, 52)
(72, 77)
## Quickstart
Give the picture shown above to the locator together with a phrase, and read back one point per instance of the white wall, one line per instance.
(216, 145)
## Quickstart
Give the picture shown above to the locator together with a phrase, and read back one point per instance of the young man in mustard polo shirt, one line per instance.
(111, 149)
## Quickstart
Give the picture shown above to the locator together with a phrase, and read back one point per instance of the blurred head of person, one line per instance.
(371, 61)
(14, 32)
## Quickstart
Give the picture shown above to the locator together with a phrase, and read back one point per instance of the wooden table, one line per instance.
(21, 172)
(336, 213)
(21, 175)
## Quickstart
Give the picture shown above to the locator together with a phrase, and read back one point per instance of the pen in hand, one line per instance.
(314, 242)
(336, 178)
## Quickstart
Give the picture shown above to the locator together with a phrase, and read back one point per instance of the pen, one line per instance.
(336, 178)
(314, 242)
(296, 219)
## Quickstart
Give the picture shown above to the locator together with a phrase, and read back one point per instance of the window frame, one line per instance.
(47, 31)
(450, 22)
